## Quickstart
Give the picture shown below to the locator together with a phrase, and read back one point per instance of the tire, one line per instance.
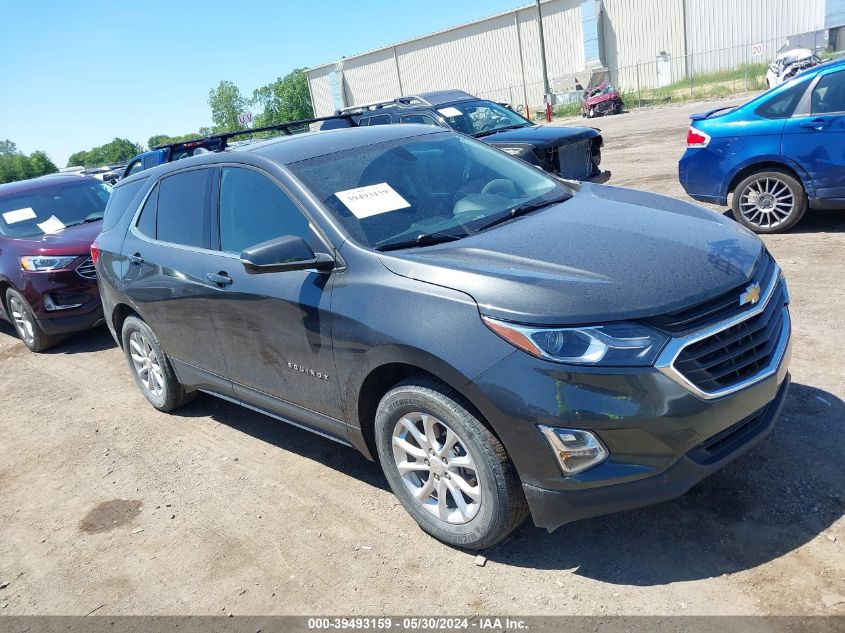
(22, 317)
(498, 505)
(161, 387)
(769, 201)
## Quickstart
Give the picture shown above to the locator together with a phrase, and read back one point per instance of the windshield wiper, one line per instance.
(86, 220)
(499, 129)
(423, 239)
(522, 209)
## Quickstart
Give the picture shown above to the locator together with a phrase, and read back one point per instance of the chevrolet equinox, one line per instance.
(504, 342)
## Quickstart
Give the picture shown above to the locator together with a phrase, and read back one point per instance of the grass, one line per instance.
(724, 83)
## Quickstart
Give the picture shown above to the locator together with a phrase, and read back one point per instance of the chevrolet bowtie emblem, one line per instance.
(751, 295)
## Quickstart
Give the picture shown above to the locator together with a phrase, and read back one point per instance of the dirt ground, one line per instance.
(108, 506)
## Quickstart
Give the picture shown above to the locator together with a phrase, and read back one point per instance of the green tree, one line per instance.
(41, 164)
(163, 139)
(16, 166)
(226, 103)
(117, 151)
(286, 99)
(8, 147)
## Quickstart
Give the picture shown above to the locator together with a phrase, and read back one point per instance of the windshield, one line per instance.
(440, 184)
(51, 209)
(481, 117)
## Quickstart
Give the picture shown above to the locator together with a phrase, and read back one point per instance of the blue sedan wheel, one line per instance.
(769, 202)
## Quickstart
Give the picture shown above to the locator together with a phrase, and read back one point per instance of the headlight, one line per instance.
(616, 344)
(40, 263)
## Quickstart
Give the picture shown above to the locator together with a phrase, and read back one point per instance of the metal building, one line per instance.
(498, 57)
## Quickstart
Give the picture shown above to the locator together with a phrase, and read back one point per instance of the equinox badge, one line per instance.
(751, 295)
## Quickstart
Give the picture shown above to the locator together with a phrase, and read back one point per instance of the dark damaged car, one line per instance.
(569, 152)
(505, 343)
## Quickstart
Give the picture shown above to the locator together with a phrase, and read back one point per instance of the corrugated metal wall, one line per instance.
(834, 14)
(321, 90)
(483, 57)
(635, 31)
(720, 32)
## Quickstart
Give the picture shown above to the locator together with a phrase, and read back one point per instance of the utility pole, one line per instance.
(546, 90)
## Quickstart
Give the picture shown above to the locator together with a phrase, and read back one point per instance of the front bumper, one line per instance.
(552, 508)
(63, 283)
(600, 178)
(658, 431)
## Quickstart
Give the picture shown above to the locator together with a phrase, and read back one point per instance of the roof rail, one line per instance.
(407, 101)
(223, 137)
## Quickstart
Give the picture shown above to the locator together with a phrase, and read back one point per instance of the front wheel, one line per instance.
(36, 339)
(448, 470)
(769, 202)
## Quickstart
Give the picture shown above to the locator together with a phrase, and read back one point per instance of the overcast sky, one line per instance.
(74, 75)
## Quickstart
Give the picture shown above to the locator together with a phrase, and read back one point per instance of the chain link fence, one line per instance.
(667, 79)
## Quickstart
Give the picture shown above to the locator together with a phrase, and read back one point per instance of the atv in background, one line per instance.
(788, 63)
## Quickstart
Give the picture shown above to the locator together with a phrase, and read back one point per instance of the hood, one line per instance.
(74, 240)
(541, 135)
(794, 55)
(607, 254)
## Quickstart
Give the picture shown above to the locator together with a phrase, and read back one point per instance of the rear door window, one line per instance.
(147, 219)
(378, 119)
(782, 106)
(181, 208)
(829, 94)
(253, 209)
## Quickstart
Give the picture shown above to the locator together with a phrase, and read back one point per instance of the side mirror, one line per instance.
(284, 253)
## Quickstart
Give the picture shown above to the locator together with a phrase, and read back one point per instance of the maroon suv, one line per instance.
(48, 285)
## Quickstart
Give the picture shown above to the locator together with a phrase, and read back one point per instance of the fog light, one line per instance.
(62, 301)
(575, 450)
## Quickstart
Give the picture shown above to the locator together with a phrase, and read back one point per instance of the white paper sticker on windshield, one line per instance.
(372, 200)
(51, 225)
(450, 111)
(18, 215)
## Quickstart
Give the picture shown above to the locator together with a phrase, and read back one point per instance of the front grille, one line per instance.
(86, 269)
(738, 352)
(720, 308)
(575, 160)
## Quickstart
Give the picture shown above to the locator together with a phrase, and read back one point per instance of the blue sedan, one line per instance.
(779, 154)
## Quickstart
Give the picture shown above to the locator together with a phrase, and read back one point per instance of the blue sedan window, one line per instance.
(782, 105)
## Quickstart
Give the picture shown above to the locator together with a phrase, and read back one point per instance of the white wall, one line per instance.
(483, 57)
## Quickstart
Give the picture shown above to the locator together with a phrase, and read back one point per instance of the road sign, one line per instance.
(245, 119)
(757, 50)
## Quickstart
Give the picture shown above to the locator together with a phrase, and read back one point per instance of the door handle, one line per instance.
(817, 124)
(135, 259)
(221, 279)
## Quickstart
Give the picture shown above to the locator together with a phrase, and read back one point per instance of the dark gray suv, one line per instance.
(504, 343)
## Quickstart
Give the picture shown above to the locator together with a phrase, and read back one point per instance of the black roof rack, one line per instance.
(408, 101)
(222, 139)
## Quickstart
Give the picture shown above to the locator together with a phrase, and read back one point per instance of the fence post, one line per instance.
(747, 65)
(639, 93)
(692, 81)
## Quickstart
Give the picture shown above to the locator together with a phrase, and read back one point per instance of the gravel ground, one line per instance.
(112, 507)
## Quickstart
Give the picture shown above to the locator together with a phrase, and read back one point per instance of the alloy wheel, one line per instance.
(22, 320)
(146, 362)
(766, 202)
(436, 468)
